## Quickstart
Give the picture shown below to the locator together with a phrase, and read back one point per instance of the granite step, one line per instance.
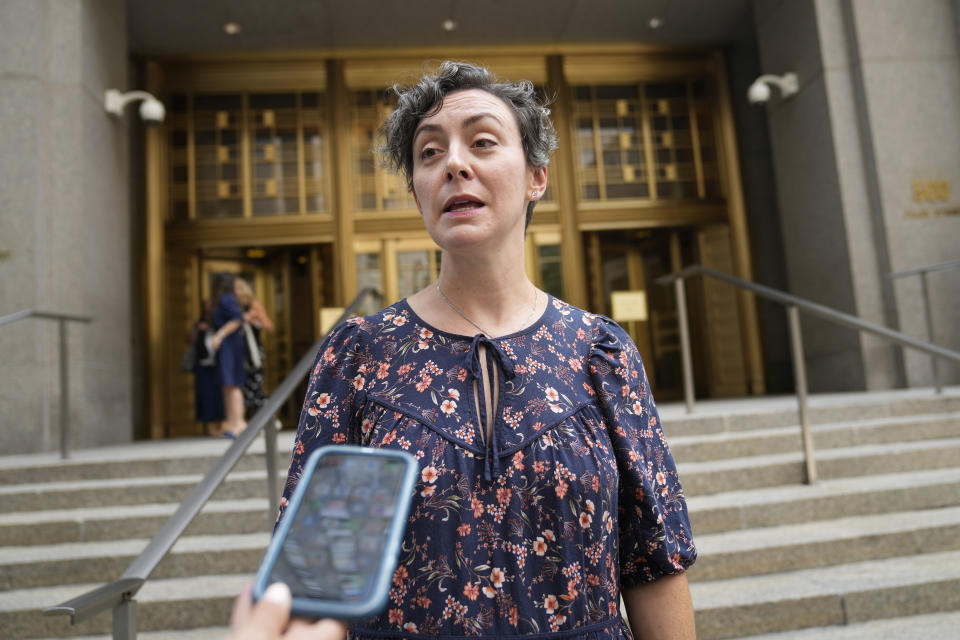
(733, 474)
(251, 515)
(717, 446)
(932, 625)
(167, 605)
(748, 414)
(827, 499)
(175, 457)
(829, 596)
(46, 496)
(50, 565)
(825, 543)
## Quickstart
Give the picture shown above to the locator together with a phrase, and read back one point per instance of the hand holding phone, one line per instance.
(338, 542)
(269, 619)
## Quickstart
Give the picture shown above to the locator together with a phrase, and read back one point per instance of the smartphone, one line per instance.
(338, 542)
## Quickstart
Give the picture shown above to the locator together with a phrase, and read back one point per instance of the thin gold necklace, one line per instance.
(533, 309)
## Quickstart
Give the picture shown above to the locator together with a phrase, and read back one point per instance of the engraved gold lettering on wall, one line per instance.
(930, 192)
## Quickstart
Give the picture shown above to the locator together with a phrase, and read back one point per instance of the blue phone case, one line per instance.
(375, 598)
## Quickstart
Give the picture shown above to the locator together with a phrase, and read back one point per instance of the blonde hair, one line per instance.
(243, 291)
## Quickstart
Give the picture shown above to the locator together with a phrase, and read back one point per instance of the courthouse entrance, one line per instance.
(266, 167)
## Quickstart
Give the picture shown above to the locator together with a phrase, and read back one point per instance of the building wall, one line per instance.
(911, 76)
(810, 196)
(64, 226)
(878, 99)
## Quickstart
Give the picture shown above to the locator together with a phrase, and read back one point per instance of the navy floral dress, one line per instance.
(574, 498)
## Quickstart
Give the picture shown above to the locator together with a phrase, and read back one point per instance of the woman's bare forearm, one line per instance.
(661, 610)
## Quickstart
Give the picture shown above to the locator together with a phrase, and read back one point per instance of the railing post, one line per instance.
(800, 376)
(125, 619)
(929, 317)
(685, 356)
(64, 393)
(270, 449)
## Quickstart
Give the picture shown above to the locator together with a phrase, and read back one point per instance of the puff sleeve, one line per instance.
(655, 538)
(335, 398)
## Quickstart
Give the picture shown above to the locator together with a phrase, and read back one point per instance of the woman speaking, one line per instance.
(546, 487)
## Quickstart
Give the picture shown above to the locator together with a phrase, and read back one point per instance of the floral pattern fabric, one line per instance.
(574, 497)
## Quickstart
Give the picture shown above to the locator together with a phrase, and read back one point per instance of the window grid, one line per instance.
(645, 141)
(376, 188)
(284, 168)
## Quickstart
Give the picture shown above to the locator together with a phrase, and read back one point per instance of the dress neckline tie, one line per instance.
(494, 356)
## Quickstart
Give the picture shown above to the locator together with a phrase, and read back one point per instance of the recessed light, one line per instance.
(655, 22)
(231, 28)
(449, 25)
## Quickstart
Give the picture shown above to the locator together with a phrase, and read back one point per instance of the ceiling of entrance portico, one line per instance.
(181, 27)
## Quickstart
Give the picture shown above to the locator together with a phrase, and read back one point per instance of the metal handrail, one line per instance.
(62, 319)
(940, 266)
(793, 304)
(925, 291)
(120, 593)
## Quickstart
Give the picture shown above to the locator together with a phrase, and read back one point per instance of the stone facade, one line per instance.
(878, 111)
(64, 221)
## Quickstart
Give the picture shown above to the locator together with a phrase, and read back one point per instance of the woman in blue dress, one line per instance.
(229, 344)
(546, 487)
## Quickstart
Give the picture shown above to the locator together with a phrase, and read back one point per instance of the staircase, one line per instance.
(876, 539)
(871, 551)
(70, 526)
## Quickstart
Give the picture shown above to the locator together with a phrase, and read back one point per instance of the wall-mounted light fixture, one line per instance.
(151, 110)
(759, 92)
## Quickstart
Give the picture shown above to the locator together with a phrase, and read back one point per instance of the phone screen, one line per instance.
(336, 540)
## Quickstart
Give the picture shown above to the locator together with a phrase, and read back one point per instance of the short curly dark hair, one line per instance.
(425, 98)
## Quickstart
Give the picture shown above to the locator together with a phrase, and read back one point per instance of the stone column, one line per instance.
(64, 220)
(878, 108)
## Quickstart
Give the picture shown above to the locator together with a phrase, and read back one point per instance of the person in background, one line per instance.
(207, 393)
(547, 490)
(256, 321)
(228, 342)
